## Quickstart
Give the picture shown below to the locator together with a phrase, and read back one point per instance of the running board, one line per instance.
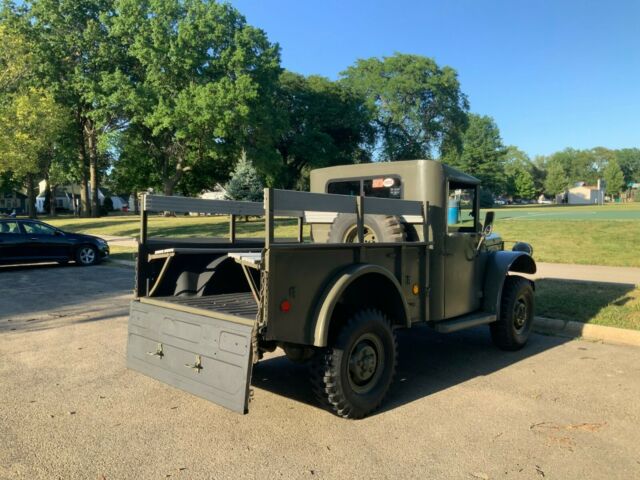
(466, 321)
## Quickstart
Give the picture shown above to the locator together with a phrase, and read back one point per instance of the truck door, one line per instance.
(461, 266)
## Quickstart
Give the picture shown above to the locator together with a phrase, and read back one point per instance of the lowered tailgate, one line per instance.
(208, 354)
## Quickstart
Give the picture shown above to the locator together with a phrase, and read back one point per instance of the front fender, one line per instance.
(498, 265)
(334, 291)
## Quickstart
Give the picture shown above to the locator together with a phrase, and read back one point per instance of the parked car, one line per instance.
(28, 241)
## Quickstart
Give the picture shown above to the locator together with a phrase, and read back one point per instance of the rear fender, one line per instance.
(499, 264)
(341, 283)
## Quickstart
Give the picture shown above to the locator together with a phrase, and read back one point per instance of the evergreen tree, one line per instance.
(245, 183)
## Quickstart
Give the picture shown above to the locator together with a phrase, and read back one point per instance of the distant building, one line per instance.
(218, 193)
(13, 200)
(583, 194)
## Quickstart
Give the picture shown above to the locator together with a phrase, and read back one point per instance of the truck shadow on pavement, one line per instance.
(429, 362)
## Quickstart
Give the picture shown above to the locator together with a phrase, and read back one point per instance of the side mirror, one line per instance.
(488, 223)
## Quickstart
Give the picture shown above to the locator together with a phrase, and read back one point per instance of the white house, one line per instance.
(582, 194)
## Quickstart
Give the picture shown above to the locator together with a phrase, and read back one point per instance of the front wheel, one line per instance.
(353, 376)
(86, 255)
(511, 330)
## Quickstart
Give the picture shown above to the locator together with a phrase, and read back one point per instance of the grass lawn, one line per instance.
(588, 235)
(180, 226)
(613, 305)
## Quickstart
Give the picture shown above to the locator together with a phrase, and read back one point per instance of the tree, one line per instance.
(31, 124)
(417, 107)
(629, 161)
(483, 154)
(245, 183)
(556, 181)
(524, 186)
(321, 124)
(76, 60)
(198, 83)
(613, 177)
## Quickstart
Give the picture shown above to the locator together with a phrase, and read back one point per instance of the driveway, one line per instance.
(459, 408)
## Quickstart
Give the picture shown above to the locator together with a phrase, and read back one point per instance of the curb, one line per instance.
(568, 328)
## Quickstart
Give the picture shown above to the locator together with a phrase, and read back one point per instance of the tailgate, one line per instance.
(203, 354)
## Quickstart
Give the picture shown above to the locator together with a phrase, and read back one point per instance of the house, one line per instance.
(582, 194)
(64, 195)
(218, 193)
(13, 200)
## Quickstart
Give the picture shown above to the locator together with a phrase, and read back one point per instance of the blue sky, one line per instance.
(553, 74)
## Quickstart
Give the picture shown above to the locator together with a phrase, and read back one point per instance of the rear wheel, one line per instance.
(511, 331)
(353, 376)
(86, 255)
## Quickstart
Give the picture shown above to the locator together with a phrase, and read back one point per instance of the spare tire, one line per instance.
(377, 229)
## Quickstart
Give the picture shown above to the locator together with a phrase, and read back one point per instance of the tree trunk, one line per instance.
(136, 209)
(85, 210)
(31, 197)
(52, 197)
(92, 146)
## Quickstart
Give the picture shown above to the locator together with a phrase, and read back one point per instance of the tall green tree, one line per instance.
(614, 177)
(200, 79)
(321, 123)
(524, 186)
(557, 180)
(629, 161)
(31, 125)
(483, 153)
(76, 59)
(417, 107)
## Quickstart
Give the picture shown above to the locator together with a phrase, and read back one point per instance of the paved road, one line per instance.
(459, 409)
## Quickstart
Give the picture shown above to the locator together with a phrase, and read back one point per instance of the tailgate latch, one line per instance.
(158, 352)
(197, 365)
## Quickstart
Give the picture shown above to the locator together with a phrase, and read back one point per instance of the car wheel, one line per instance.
(86, 255)
(511, 330)
(353, 376)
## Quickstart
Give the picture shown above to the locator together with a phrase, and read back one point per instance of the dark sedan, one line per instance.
(28, 241)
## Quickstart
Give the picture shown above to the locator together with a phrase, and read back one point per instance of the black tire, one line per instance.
(86, 255)
(511, 331)
(378, 228)
(353, 376)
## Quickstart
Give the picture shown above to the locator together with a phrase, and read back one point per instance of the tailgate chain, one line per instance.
(260, 317)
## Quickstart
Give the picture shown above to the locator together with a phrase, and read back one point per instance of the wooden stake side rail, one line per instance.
(285, 203)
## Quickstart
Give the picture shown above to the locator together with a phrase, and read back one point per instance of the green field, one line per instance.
(589, 235)
(610, 304)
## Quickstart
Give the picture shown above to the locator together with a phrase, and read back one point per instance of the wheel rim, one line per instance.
(87, 255)
(366, 363)
(352, 235)
(520, 314)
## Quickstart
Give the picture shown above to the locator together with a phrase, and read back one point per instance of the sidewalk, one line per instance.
(120, 241)
(591, 273)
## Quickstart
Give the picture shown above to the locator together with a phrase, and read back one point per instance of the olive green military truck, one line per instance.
(394, 245)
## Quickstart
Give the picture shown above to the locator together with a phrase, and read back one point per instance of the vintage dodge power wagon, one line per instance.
(393, 245)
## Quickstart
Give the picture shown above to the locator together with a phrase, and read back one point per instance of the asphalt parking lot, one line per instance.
(459, 408)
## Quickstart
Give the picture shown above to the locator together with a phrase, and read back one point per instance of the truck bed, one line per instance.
(228, 304)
